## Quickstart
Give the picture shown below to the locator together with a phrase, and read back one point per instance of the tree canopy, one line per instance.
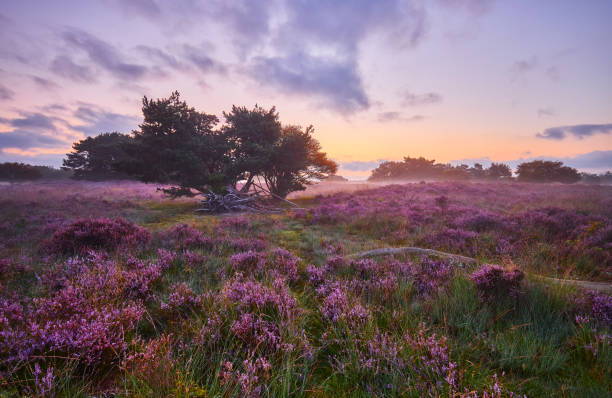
(95, 158)
(183, 148)
(547, 171)
(18, 172)
(421, 168)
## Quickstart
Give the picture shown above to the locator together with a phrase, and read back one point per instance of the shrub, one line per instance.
(598, 306)
(93, 234)
(494, 282)
(185, 236)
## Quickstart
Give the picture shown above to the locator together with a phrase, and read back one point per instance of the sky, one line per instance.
(458, 81)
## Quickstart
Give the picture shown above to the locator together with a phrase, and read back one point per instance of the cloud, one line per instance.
(553, 73)
(521, 67)
(64, 66)
(360, 165)
(25, 139)
(247, 21)
(104, 55)
(313, 50)
(200, 58)
(44, 83)
(160, 56)
(96, 120)
(146, 8)
(542, 112)
(30, 120)
(42, 159)
(336, 83)
(477, 7)
(342, 25)
(411, 99)
(384, 117)
(579, 131)
(6, 93)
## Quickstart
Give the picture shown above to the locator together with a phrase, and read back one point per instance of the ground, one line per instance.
(112, 289)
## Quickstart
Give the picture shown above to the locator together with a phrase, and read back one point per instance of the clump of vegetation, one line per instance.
(495, 283)
(547, 171)
(180, 146)
(18, 172)
(264, 305)
(421, 168)
(84, 235)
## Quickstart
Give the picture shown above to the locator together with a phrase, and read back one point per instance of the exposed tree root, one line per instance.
(413, 250)
(603, 287)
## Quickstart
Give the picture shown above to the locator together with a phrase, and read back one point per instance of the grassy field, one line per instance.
(109, 289)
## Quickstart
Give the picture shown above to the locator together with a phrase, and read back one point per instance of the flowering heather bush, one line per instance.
(430, 276)
(115, 319)
(337, 307)
(248, 262)
(152, 361)
(494, 282)
(253, 296)
(193, 259)
(598, 306)
(250, 379)
(481, 221)
(453, 240)
(431, 357)
(381, 356)
(239, 244)
(43, 383)
(257, 333)
(184, 236)
(278, 263)
(181, 298)
(94, 234)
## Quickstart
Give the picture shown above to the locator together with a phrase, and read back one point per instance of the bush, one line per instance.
(494, 282)
(94, 234)
(18, 171)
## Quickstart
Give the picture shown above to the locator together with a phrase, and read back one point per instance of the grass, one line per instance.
(531, 344)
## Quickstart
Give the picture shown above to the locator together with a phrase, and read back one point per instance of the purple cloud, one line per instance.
(337, 83)
(384, 117)
(579, 131)
(104, 55)
(64, 66)
(411, 99)
(6, 93)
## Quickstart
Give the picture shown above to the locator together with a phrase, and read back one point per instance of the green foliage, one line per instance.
(179, 146)
(18, 172)
(296, 160)
(95, 158)
(416, 168)
(547, 171)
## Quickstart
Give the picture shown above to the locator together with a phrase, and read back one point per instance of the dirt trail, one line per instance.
(603, 287)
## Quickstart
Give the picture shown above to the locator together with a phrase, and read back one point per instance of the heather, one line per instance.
(109, 289)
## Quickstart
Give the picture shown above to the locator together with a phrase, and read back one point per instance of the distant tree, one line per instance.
(498, 170)
(547, 171)
(52, 173)
(589, 178)
(477, 171)
(606, 178)
(18, 172)
(336, 178)
(296, 160)
(456, 173)
(95, 158)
